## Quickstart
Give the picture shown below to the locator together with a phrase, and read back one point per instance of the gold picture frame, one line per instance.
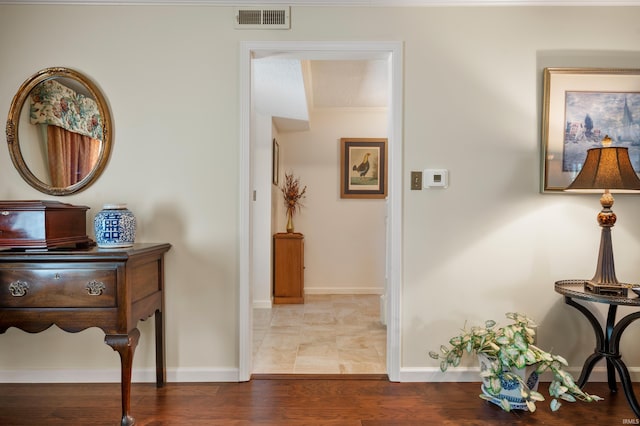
(580, 107)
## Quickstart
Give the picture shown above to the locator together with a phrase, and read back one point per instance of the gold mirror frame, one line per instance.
(14, 118)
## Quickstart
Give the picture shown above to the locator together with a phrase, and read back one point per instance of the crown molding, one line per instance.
(361, 3)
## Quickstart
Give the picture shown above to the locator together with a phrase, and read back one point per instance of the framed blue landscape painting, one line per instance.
(581, 106)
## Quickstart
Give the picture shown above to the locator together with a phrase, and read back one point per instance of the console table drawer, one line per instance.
(57, 288)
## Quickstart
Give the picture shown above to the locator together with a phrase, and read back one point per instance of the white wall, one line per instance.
(344, 238)
(490, 243)
(263, 210)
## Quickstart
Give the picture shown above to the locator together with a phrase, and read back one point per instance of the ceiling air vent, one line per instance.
(262, 18)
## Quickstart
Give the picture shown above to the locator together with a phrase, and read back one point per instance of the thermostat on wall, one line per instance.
(435, 178)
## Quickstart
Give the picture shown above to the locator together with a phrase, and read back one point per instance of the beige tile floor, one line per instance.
(328, 334)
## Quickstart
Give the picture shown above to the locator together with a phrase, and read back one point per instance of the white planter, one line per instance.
(510, 388)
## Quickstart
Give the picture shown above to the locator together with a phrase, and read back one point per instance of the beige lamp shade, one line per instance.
(606, 168)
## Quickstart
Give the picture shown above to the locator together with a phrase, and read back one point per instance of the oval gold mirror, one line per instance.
(59, 131)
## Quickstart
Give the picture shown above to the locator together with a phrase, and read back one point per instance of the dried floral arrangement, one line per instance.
(293, 194)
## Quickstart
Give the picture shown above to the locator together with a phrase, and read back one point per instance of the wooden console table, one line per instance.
(111, 289)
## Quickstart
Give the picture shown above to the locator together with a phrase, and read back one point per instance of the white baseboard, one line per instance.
(66, 376)
(262, 304)
(344, 290)
(267, 304)
(209, 375)
(148, 375)
(472, 374)
(191, 375)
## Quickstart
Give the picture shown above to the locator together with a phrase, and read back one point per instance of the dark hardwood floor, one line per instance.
(366, 401)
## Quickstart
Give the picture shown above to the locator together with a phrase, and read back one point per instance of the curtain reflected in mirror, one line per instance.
(71, 156)
(73, 130)
(65, 128)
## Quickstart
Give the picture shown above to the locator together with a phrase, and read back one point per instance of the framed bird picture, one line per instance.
(363, 167)
(275, 166)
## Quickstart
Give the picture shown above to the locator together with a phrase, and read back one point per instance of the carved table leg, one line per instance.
(615, 357)
(160, 360)
(601, 347)
(608, 347)
(125, 345)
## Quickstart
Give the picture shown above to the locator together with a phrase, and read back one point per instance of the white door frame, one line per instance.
(331, 51)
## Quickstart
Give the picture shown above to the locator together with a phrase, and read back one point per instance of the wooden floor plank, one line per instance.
(292, 401)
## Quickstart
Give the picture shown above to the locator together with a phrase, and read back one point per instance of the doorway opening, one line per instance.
(390, 52)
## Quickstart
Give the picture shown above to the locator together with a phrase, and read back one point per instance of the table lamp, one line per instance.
(606, 169)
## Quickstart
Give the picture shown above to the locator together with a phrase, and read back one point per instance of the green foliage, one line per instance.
(512, 346)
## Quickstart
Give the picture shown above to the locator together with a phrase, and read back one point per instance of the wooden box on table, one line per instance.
(42, 225)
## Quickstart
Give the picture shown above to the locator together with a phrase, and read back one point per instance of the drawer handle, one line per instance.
(95, 288)
(18, 288)
(5, 213)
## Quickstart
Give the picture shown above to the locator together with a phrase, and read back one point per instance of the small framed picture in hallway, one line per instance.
(363, 167)
(275, 166)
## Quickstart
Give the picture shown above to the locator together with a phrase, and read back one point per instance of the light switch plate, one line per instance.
(416, 181)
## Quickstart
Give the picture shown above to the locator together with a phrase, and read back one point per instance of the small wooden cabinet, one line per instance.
(288, 268)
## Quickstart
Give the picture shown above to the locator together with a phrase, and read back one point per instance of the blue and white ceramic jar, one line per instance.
(115, 226)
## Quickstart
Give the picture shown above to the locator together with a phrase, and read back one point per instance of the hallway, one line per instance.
(328, 334)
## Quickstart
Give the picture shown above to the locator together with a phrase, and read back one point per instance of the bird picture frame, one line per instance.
(363, 167)
(275, 163)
